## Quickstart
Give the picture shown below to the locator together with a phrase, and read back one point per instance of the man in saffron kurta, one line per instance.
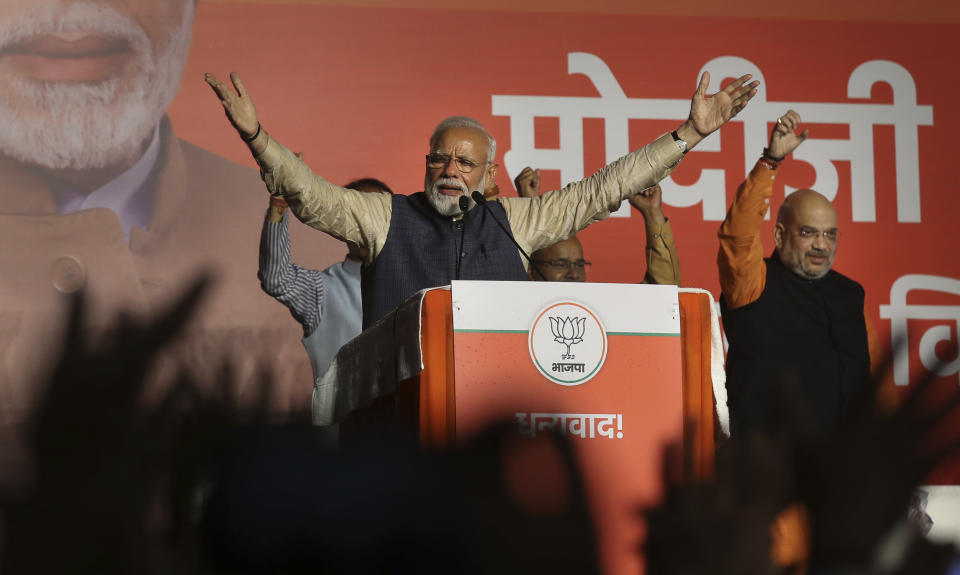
(789, 318)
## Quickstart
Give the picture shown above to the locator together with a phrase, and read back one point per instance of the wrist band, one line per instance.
(278, 202)
(770, 157)
(254, 137)
(768, 164)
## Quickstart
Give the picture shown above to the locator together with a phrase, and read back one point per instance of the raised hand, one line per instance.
(528, 183)
(237, 104)
(709, 112)
(784, 138)
(649, 203)
(721, 525)
(858, 481)
(103, 442)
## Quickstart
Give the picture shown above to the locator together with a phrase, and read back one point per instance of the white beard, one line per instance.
(449, 206)
(89, 126)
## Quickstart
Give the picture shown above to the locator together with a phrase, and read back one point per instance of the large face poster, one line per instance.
(102, 193)
(106, 95)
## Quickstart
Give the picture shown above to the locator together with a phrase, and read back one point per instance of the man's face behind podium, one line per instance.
(84, 83)
(561, 262)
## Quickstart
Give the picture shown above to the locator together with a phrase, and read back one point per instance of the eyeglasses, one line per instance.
(564, 265)
(809, 234)
(465, 165)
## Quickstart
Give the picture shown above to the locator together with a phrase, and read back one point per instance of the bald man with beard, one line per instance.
(789, 318)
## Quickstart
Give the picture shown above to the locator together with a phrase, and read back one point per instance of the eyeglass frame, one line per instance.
(458, 161)
(567, 266)
(810, 234)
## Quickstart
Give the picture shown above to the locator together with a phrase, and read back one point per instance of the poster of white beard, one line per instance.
(99, 195)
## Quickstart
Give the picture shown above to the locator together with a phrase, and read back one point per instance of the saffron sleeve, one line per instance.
(740, 259)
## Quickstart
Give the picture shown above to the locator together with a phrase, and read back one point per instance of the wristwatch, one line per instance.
(681, 144)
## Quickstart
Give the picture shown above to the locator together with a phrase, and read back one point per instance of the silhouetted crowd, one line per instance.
(123, 478)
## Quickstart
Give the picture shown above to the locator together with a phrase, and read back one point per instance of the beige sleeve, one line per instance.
(556, 215)
(349, 215)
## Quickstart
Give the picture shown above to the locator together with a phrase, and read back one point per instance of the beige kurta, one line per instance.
(364, 218)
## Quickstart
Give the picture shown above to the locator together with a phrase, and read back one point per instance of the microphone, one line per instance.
(464, 202)
(482, 201)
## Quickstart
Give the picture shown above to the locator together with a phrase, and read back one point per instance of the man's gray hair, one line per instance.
(464, 122)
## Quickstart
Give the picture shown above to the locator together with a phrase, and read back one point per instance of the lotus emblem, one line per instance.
(568, 331)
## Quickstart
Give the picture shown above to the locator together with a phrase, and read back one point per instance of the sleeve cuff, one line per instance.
(660, 232)
(272, 155)
(667, 151)
(762, 170)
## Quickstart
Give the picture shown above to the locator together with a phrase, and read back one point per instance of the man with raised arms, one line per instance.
(425, 239)
(789, 318)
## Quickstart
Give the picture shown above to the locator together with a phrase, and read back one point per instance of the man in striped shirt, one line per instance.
(326, 303)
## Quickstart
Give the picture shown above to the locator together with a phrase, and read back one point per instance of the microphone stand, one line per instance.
(464, 206)
(479, 199)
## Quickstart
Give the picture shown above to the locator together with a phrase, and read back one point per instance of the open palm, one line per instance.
(236, 103)
(710, 111)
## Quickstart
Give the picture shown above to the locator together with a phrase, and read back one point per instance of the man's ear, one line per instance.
(778, 235)
(492, 174)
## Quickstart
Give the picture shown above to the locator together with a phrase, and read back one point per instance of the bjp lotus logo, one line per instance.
(551, 343)
(568, 331)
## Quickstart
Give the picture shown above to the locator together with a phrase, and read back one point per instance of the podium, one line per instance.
(450, 360)
(423, 382)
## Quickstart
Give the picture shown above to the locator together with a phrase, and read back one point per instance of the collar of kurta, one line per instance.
(26, 190)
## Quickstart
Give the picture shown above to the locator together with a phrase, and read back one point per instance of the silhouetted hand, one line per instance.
(857, 483)
(721, 526)
(101, 450)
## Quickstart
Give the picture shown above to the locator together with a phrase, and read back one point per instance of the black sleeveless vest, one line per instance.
(809, 331)
(421, 252)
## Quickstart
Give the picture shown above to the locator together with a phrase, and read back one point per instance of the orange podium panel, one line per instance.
(619, 369)
(436, 383)
(600, 365)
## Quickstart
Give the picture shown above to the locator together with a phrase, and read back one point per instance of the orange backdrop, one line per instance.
(359, 88)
